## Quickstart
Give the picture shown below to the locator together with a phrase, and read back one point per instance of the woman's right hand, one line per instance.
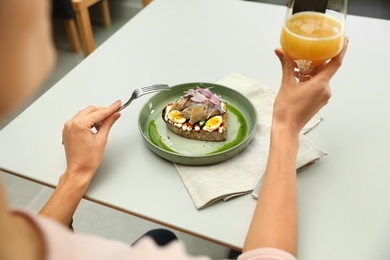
(297, 102)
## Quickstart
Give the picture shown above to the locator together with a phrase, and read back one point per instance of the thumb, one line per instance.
(107, 123)
(287, 67)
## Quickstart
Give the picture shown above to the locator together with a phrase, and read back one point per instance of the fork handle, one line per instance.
(124, 106)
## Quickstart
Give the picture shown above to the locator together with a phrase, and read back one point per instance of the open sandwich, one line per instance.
(198, 114)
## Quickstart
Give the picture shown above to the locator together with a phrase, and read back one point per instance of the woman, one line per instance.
(27, 56)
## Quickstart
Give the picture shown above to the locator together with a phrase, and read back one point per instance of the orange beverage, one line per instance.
(312, 36)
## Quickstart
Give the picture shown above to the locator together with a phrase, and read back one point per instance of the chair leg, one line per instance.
(85, 28)
(105, 13)
(72, 33)
(84, 22)
(146, 2)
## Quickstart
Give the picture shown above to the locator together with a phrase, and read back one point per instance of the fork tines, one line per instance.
(155, 87)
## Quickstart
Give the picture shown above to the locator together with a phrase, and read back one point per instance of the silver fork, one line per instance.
(140, 92)
(143, 91)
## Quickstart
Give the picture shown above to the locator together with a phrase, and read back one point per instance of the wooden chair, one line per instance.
(63, 9)
(84, 21)
(71, 31)
(146, 2)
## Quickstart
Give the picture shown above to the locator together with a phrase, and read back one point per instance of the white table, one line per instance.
(343, 199)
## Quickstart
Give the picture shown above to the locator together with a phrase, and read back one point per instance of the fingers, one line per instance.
(86, 111)
(105, 127)
(87, 117)
(335, 63)
(93, 114)
(288, 66)
(101, 114)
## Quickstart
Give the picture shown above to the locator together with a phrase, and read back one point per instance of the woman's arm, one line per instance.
(275, 220)
(66, 197)
(84, 151)
(274, 223)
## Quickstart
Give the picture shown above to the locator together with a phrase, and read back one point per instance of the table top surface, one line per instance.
(343, 212)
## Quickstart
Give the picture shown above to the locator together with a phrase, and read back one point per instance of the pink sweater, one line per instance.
(63, 244)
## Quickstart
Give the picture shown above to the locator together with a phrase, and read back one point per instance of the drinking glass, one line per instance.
(313, 32)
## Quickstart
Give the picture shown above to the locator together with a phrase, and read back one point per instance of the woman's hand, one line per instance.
(275, 220)
(84, 148)
(298, 102)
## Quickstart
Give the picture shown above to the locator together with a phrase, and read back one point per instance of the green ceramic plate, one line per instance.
(241, 125)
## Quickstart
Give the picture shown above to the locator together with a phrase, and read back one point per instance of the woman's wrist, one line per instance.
(284, 145)
(289, 132)
(74, 182)
(66, 197)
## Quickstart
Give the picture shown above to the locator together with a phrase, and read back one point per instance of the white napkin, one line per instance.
(240, 174)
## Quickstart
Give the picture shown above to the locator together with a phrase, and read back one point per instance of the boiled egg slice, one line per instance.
(176, 117)
(213, 123)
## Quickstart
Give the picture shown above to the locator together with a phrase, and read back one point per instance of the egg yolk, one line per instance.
(215, 121)
(176, 117)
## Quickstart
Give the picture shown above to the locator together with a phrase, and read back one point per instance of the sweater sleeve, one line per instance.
(61, 244)
(266, 254)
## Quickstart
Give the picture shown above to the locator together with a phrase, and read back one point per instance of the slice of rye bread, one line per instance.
(202, 135)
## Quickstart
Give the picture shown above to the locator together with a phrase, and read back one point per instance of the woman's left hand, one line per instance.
(84, 148)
